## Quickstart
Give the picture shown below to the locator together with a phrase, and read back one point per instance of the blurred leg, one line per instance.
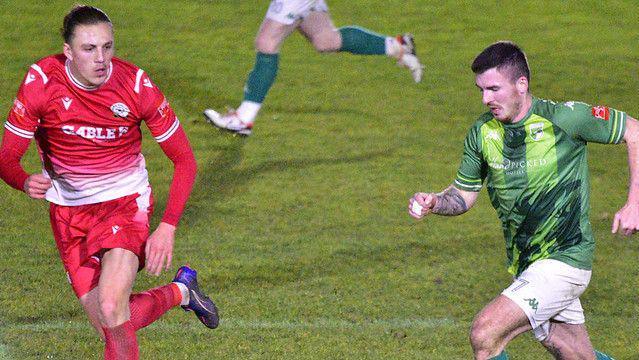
(318, 28)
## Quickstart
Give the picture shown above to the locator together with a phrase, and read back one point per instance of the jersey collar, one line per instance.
(76, 82)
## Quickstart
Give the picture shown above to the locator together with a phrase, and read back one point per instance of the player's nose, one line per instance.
(486, 97)
(99, 56)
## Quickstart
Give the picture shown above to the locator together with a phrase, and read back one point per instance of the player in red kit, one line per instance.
(84, 108)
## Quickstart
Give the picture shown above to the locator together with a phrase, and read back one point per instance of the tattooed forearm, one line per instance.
(450, 203)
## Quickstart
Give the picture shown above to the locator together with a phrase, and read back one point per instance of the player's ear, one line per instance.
(66, 49)
(522, 85)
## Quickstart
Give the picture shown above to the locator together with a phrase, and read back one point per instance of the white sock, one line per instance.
(185, 293)
(393, 47)
(248, 110)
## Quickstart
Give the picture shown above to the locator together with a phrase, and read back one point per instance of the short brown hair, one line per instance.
(82, 15)
(503, 55)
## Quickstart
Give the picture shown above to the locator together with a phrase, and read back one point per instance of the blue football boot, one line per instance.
(200, 304)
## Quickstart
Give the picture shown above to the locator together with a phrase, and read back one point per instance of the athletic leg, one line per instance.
(268, 42)
(271, 35)
(148, 306)
(571, 341)
(118, 270)
(318, 28)
(91, 306)
(496, 325)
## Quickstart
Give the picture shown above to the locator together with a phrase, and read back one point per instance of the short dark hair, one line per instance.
(503, 55)
(82, 15)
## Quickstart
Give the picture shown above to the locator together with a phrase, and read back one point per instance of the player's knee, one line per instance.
(327, 41)
(111, 311)
(266, 44)
(108, 310)
(482, 339)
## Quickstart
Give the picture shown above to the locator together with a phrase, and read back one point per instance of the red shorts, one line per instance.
(84, 233)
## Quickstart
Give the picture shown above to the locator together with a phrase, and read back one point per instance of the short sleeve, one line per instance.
(155, 109)
(472, 170)
(599, 124)
(25, 114)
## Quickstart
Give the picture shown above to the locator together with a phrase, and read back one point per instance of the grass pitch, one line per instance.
(300, 232)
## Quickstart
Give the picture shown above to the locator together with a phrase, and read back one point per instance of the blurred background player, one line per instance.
(311, 18)
(84, 107)
(532, 155)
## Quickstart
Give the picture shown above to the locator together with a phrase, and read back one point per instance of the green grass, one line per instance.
(300, 231)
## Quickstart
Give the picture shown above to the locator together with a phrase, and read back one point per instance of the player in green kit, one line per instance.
(531, 155)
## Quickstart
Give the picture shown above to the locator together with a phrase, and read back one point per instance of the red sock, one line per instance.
(121, 343)
(148, 306)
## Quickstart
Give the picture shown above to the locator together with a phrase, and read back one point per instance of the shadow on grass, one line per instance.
(221, 178)
(351, 260)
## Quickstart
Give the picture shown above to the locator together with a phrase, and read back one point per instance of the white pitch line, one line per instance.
(416, 323)
(340, 324)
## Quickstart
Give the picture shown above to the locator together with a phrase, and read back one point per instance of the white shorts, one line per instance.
(288, 12)
(549, 289)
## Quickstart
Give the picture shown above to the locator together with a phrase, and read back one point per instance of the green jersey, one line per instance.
(536, 173)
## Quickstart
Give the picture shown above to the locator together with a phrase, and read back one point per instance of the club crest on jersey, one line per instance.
(537, 131)
(120, 110)
(601, 112)
(493, 135)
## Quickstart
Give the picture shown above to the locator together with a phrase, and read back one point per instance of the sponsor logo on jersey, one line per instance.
(163, 109)
(18, 108)
(120, 110)
(146, 82)
(115, 229)
(66, 101)
(601, 112)
(30, 78)
(537, 131)
(89, 132)
(515, 167)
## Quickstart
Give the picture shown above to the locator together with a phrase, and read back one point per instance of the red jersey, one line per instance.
(89, 139)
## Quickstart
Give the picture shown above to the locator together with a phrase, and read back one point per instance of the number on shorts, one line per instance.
(276, 6)
(521, 285)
